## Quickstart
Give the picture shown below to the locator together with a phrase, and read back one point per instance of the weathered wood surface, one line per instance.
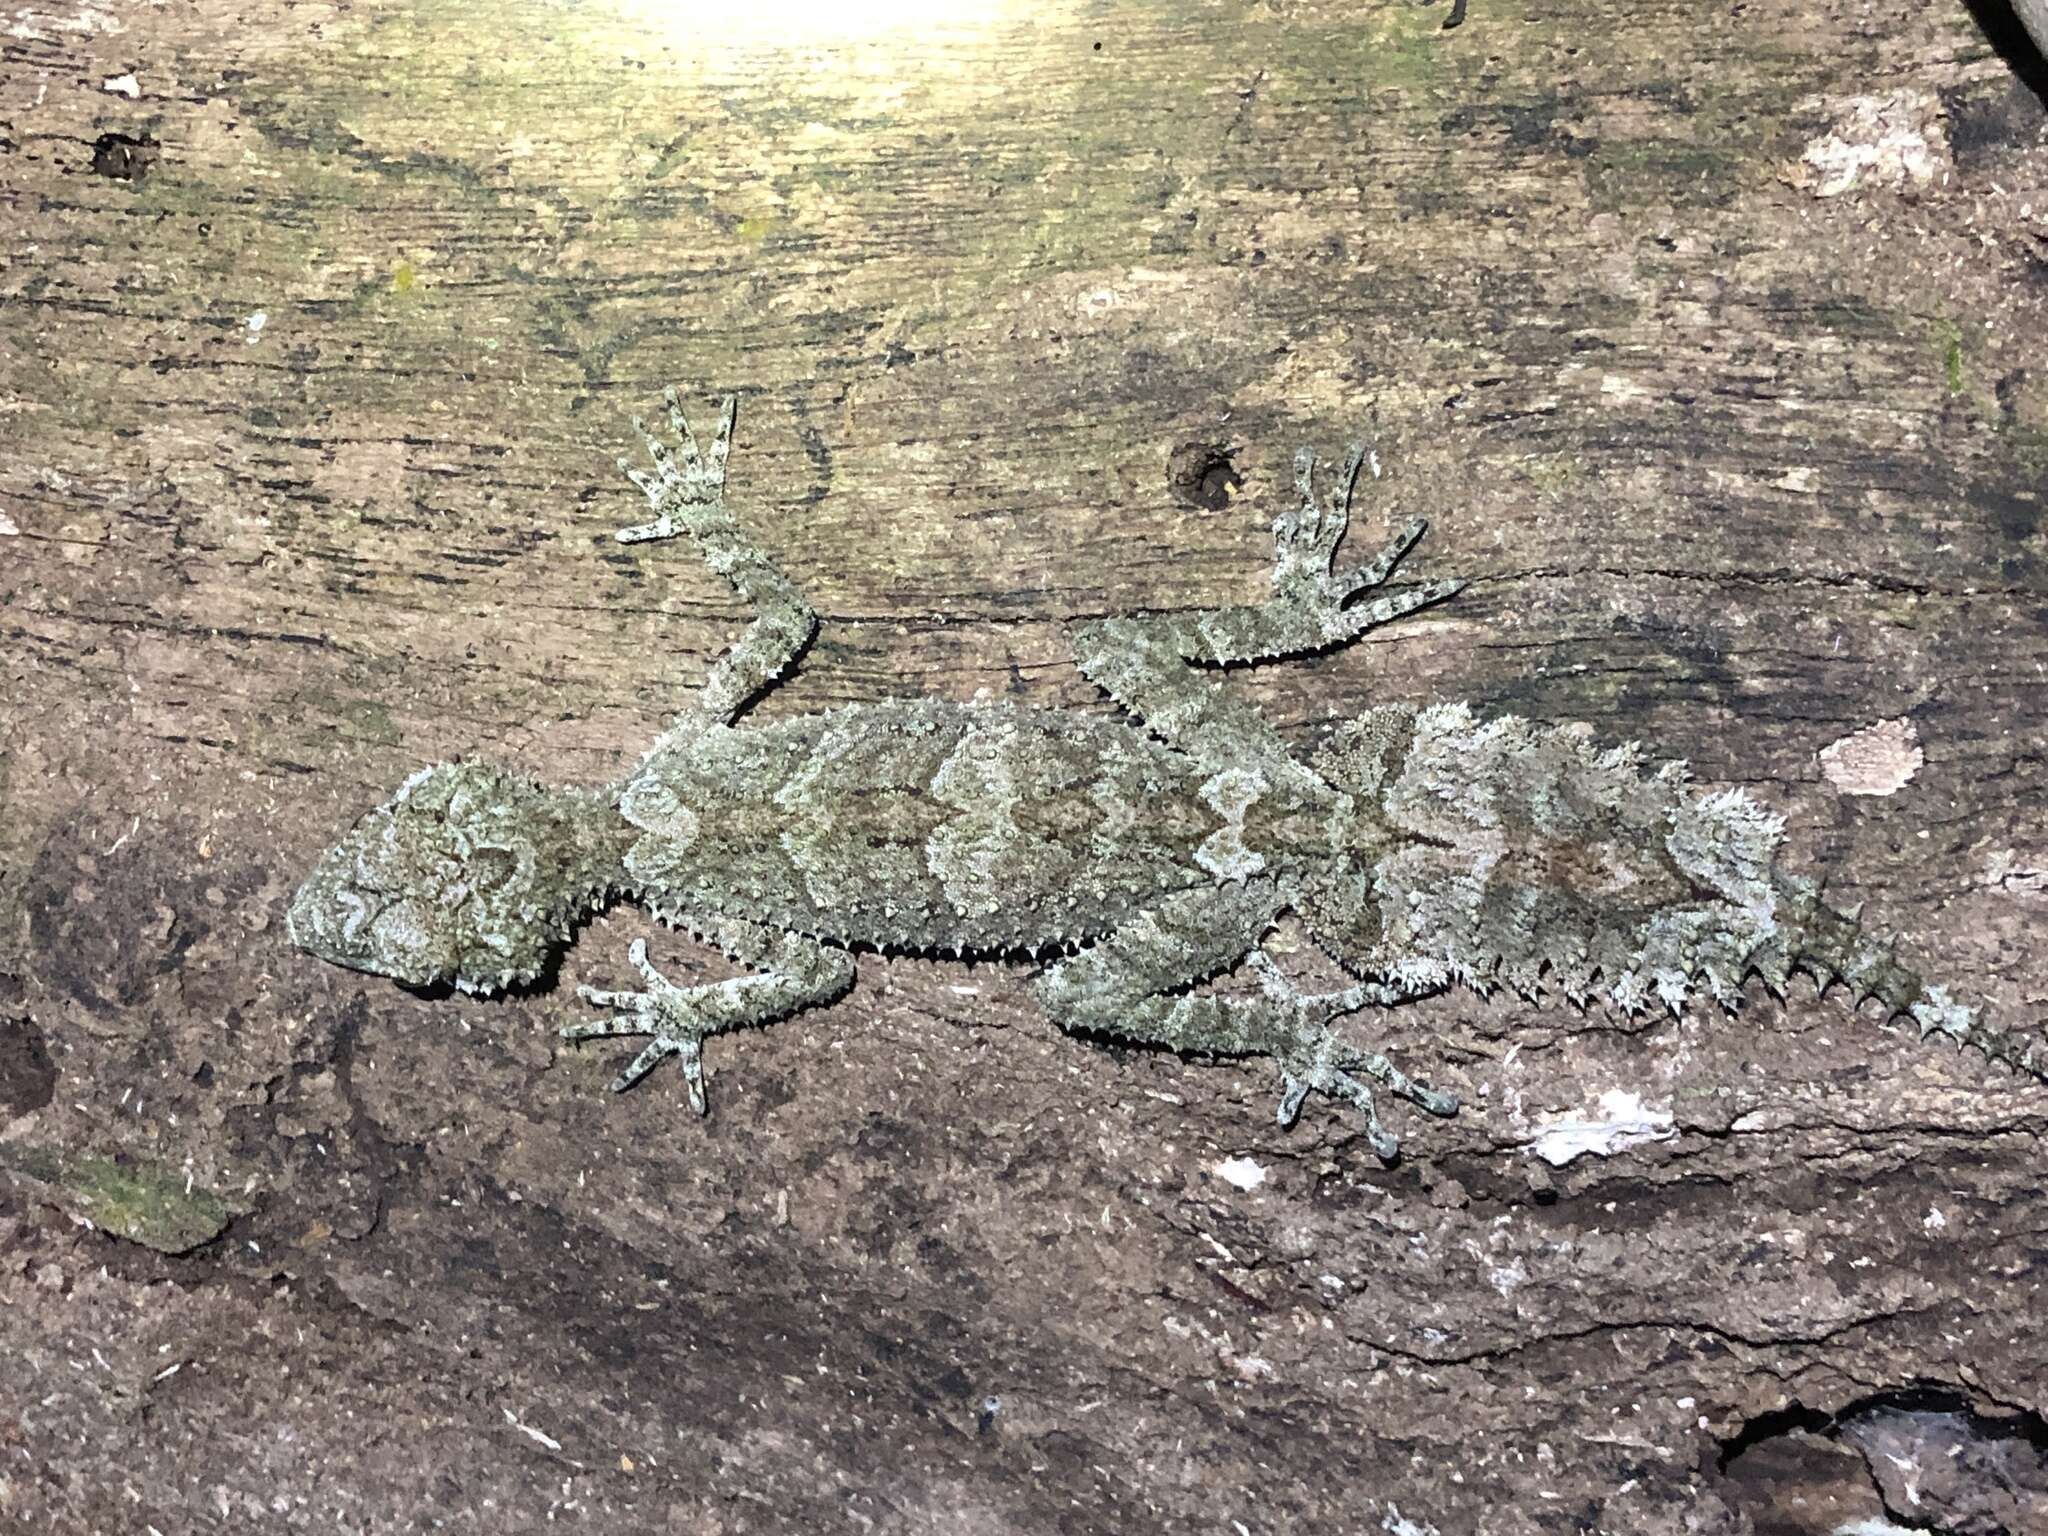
(319, 327)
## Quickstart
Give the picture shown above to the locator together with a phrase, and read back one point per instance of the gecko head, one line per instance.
(469, 874)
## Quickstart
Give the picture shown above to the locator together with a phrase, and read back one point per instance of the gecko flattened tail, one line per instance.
(1836, 947)
(1500, 852)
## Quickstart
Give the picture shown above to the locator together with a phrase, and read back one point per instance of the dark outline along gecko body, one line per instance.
(1419, 847)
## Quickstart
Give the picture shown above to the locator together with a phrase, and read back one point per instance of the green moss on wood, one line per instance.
(157, 1207)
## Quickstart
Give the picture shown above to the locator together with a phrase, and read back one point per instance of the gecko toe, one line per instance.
(1434, 1102)
(1294, 1092)
(647, 1061)
(1385, 1144)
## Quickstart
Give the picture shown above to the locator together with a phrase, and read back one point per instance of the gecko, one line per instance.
(1148, 854)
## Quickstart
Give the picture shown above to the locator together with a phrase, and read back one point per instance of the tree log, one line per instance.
(1713, 339)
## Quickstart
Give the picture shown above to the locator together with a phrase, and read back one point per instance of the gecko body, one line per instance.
(1421, 848)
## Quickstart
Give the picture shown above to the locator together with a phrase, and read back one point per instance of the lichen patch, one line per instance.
(1619, 1121)
(1878, 760)
(1876, 141)
(2022, 875)
(1243, 1173)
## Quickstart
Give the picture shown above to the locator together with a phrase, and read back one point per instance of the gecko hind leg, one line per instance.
(796, 973)
(1131, 984)
(1320, 1060)
(1314, 1058)
(1311, 603)
(1317, 1059)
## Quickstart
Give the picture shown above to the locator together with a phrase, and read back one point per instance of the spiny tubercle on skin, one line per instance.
(1420, 847)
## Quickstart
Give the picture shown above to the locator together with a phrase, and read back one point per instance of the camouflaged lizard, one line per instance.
(1420, 847)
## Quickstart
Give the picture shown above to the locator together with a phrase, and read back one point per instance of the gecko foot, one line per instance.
(1305, 541)
(673, 1015)
(1314, 1057)
(687, 486)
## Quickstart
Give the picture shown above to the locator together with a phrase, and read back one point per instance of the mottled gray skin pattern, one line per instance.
(1421, 848)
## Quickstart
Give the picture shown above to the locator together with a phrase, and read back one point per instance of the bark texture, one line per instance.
(1712, 337)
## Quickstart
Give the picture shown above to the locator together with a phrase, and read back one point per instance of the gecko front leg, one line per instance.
(794, 973)
(1133, 984)
(1147, 662)
(686, 492)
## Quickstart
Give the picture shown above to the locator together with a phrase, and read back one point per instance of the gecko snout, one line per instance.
(468, 874)
(345, 916)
